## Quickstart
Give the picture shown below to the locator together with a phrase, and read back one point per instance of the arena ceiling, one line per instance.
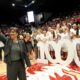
(9, 12)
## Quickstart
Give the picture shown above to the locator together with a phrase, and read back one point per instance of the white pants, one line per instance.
(42, 47)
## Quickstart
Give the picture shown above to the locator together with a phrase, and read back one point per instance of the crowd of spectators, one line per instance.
(55, 29)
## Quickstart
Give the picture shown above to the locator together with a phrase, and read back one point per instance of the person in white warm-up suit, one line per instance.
(1, 48)
(49, 37)
(75, 42)
(42, 42)
(49, 34)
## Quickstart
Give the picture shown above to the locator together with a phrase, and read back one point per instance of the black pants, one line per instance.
(16, 70)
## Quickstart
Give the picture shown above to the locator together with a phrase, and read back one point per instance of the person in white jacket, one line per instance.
(42, 42)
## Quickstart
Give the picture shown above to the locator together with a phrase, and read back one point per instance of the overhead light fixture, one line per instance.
(33, 1)
(13, 4)
(25, 6)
